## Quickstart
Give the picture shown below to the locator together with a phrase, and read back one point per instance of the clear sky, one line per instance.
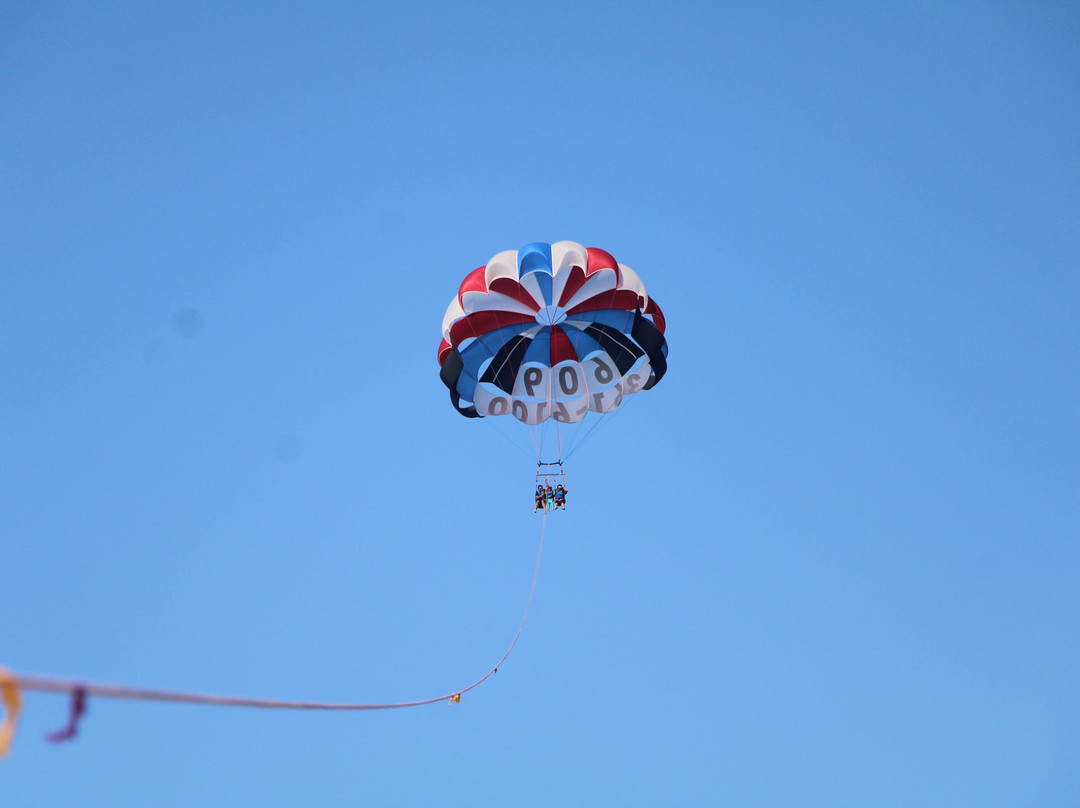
(832, 559)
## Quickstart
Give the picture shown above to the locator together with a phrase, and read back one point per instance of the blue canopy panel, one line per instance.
(486, 345)
(614, 318)
(540, 349)
(535, 259)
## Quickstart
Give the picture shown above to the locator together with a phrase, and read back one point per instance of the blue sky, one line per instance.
(830, 560)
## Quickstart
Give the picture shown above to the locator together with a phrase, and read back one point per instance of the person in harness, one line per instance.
(550, 497)
(560, 496)
(541, 499)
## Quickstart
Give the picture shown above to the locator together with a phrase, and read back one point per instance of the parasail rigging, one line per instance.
(548, 334)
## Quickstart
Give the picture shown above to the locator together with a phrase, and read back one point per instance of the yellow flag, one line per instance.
(12, 701)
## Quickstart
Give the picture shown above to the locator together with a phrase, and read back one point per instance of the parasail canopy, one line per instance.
(550, 331)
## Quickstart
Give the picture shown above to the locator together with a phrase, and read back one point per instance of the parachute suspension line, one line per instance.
(536, 435)
(546, 432)
(48, 684)
(512, 436)
(598, 424)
